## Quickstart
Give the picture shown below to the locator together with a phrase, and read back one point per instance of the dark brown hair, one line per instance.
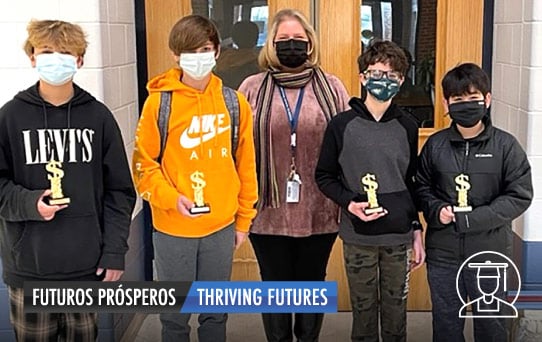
(191, 33)
(383, 51)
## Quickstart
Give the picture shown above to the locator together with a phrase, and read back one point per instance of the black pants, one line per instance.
(285, 258)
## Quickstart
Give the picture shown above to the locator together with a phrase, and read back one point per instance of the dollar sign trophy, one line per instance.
(462, 187)
(370, 186)
(198, 184)
(55, 177)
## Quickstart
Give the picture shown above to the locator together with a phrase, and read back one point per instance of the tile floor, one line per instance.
(336, 328)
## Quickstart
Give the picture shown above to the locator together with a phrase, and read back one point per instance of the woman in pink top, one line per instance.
(292, 101)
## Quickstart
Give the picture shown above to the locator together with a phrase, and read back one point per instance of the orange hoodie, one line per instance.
(199, 139)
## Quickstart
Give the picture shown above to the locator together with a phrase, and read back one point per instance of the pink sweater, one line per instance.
(314, 214)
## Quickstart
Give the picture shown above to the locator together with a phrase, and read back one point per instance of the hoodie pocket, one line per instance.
(64, 246)
(398, 220)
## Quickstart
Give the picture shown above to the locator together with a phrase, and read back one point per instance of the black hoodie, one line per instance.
(355, 144)
(93, 230)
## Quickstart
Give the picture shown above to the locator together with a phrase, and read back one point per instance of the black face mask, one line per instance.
(467, 114)
(292, 53)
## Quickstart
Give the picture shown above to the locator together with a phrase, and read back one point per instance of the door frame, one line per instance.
(338, 30)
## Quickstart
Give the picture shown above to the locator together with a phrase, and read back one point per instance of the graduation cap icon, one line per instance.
(491, 301)
(490, 269)
(489, 272)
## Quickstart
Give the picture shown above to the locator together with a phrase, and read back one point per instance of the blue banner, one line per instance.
(261, 297)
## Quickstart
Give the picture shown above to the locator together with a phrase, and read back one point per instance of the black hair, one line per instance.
(464, 79)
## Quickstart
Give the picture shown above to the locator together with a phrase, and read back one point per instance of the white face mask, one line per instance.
(56, 68)
(197, 65)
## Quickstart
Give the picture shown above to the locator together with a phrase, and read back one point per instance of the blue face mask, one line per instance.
(383, 89)
(56, 68)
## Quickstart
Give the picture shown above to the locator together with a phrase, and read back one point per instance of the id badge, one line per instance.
(292, 192)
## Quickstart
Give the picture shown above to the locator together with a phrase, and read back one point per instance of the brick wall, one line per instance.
(427, 28)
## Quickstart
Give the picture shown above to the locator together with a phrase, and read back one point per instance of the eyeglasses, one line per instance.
(378, 74)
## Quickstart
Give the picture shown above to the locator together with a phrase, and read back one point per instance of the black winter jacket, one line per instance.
(501, 190)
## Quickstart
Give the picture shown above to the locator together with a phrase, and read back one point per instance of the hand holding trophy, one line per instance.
(54, 168)
(370, 187)
(462, 188)
(198, 183)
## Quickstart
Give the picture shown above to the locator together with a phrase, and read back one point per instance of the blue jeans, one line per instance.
(447, 325)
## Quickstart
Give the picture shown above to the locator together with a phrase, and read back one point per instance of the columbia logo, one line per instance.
(483, 155)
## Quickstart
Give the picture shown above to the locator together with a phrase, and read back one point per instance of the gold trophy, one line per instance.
(198, 184)
(370, 186)
(55, 177)
(462, 187)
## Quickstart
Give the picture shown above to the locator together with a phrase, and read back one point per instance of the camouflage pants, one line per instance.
(378, 280)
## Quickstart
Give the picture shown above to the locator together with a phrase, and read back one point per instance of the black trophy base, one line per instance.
(462, 209)
(370, 211)
(200, 210)
(58, 201)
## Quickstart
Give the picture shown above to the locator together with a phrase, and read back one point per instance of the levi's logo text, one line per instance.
(203, 128)
(66, 145)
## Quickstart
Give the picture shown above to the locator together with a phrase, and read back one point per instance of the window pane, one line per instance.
(259, 16)
(243, 29)
(385, 9)
(366, 24)
(412, 25)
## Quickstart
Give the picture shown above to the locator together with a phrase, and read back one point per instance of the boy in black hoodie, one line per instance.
(373, 146)
(66, 194)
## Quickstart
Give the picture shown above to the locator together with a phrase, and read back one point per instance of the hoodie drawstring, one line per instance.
(200, 119)
(68, 114)
(215, 113)
(44, 114)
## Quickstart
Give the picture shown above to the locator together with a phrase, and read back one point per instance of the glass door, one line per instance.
(433, 32)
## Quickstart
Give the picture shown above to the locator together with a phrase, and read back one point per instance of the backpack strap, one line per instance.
(232, 104)
(163, 120)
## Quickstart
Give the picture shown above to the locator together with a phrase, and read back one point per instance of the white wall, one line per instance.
(109, 70)
(517, 91)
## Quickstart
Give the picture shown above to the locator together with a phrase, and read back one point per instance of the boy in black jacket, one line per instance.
(474, 179)
(371, 150)
(66, 194)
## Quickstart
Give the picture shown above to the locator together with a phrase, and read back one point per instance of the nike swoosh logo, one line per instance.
(188, 142)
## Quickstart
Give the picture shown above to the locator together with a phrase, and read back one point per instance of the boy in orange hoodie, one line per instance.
(198, 169)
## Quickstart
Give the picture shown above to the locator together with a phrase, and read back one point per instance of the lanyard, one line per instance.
(293, 118)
